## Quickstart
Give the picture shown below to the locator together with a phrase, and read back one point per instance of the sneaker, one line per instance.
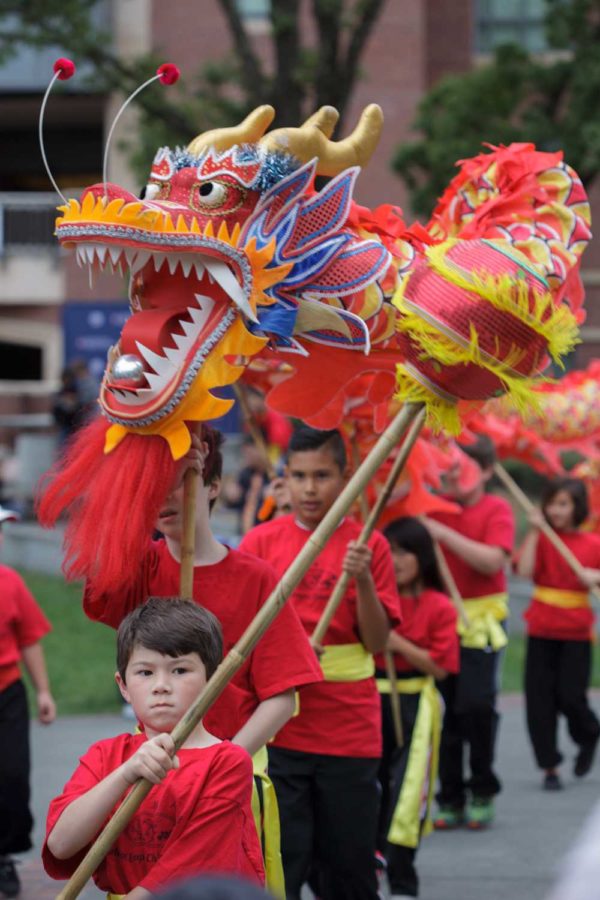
(449, 817)
(9, 880)
(585, 758)
(480, 813)
(552, 782)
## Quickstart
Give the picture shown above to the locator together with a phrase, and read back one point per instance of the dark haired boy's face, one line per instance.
(161, 688)
(315, 481)
(560, 511)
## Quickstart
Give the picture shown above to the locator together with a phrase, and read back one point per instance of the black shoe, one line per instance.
(585, 757)
(9, 880)
(552, 782)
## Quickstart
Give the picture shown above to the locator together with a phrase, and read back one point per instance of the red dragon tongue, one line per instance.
(152, 328)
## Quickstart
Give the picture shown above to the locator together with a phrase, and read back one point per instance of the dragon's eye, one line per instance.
(212, 193)
(217, 197)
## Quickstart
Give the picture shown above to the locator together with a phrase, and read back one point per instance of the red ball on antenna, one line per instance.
(65, 68)
(169, 73)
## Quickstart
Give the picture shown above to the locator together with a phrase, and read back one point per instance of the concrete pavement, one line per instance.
(517, 858)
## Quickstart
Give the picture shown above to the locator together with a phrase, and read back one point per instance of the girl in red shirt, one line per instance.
(425, 648)
(560, 630)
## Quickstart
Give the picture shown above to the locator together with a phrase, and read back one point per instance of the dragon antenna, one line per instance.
(167, 74)
(63, 70)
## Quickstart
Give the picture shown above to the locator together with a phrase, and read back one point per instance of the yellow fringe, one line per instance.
(442, 415)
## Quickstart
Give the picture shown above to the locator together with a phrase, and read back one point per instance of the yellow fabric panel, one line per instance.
(266, 821)
(346, 662)
(563, 599)
(484, 629)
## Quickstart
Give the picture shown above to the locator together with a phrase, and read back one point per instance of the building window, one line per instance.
(510, 22)
(254, 9)
(20, 362)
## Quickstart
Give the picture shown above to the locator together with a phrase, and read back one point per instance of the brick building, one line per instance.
(414, 43)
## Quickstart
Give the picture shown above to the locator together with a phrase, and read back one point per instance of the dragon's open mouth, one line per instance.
(183, 302)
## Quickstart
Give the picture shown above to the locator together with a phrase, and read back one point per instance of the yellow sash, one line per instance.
(266, 819)
(484, 629)
(346, 662)
(560, 598)
(115, 896)
(411, 819)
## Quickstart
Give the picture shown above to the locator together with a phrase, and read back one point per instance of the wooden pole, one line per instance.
(240, 651)
(367, 530)
(186, 573)
(395, 703)
(256, 433)
(450, 584)
(362, 500)
(525, 503)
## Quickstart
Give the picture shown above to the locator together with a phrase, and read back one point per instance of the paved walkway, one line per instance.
(515, 859)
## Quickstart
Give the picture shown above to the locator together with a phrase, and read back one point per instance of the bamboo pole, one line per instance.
(450, 584)
(239, 653)
(256, 433)
(363, 502)
(528, 507)
(367, 529)
(395, 703)
(186, 572)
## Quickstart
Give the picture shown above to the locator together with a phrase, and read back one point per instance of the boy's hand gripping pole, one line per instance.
(240, 651)
(369, 526)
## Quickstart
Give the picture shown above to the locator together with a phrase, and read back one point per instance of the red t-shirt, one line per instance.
(429, 621)
(22, 623)
(335, 718)
(489, 521)
(197, 820)
(552, 571)
(234, 590)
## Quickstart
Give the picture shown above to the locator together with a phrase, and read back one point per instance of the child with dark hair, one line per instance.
(425, 649)
(233, 585)
(560, 630)
(198, 817)
(477, 543)
(324, 761)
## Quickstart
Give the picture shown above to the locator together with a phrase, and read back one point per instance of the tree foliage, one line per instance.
(553, 101)
(224, 90)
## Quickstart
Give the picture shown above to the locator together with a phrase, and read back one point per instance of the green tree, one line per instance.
(304, 77)
(553, 102)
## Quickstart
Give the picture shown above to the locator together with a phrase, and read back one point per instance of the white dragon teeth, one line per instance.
(114, 253)
(140, 261)
(199, 270)
(186, 265)
(161, 365)
(227, 280)
(158, 259)
(173, 262)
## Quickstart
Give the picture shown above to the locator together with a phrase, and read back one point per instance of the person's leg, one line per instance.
(476, 706)
(451, 794)
(292, 774)
(402, 874)
(15, 817)
(573, 681)
(384, 775)
(346, 817)
(541, 700)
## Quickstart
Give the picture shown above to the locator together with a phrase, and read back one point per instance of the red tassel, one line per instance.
(111, 502)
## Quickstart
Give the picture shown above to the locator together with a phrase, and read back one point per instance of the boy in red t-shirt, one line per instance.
(477, 543)
(560, 629)
(22, 625)
(324, 762)
(198, 817)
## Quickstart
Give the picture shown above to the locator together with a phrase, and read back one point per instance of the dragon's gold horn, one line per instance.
(325, 119)
(306, 142)
(250, 130)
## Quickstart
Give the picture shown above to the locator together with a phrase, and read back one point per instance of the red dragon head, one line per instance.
(231, 248)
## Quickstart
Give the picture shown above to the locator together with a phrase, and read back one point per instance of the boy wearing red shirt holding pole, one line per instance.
(233, 585)
(477, 543)
(22, 625)
(198, 817)
(324, 761)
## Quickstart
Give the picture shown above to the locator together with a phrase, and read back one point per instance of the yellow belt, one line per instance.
(266, 819)
(560, 598)
(346, 662)
(115, 896)
(412, 815)
(484, 629)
